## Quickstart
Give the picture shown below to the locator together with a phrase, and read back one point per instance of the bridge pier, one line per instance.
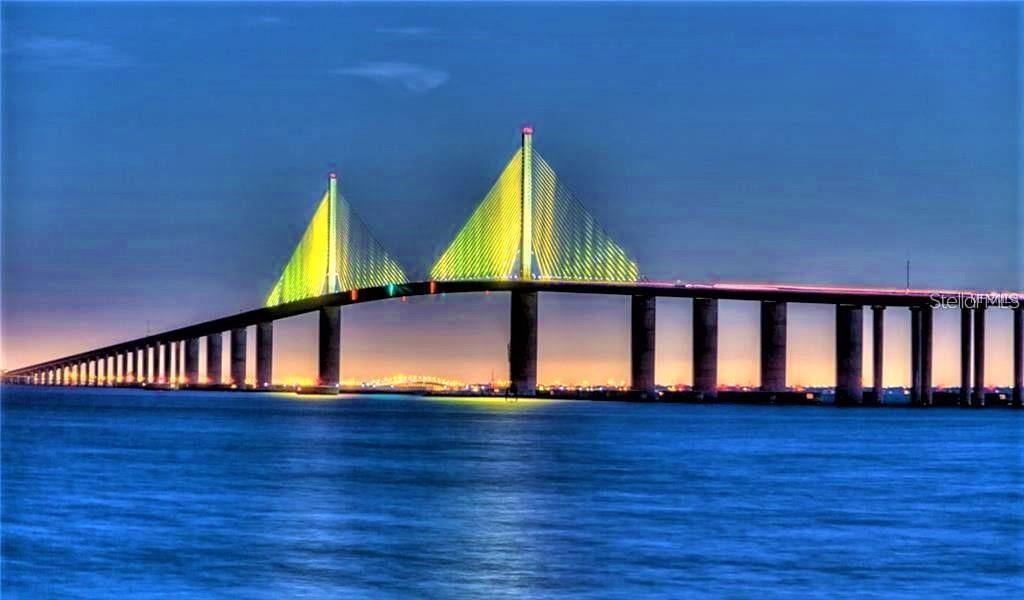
(214, 358)
(877, 353)
(192, 361)
(128, 375)
(926, 355)
(148, 359)
(642, 338)
(705, 346)
(965, 357)
(264, 353)
(979, 356)
(237, 357)
(165, 363)
(329, 357)
(849, 355)
(1018, 356)
(773, 346)
(915, 355)
(101, 370)
(176, 370)
(522, 345)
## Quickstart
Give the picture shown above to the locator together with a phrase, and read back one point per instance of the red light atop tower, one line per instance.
(527, 129)
(332, 175)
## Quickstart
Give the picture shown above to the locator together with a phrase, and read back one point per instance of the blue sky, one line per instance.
(160, 161)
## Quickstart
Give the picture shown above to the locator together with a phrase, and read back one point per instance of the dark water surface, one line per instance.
(127, 493)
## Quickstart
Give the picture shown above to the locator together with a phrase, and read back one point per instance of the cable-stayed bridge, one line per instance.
(531, 234)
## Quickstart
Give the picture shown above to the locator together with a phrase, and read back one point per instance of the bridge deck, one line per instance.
(720, 291)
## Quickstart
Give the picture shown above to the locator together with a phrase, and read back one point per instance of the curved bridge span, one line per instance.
(132, 360)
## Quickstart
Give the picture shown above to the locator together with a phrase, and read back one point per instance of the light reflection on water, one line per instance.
(261, 495)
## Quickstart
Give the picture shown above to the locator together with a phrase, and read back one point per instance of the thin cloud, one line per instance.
(45, 51)
(267, 20)
(415, 78)
(409, 32)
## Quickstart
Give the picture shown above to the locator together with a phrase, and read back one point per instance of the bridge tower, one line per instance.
(530, 226)
(337, 253)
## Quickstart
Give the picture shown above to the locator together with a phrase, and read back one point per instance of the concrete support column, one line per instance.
(773, 346)
(965, 357)
(101, 370)
(979, 355)
(165, 362)
(329, 352)
(176, 366)
(264, 354)
(915, 355)
(878, 352)
(926, 355)
(1018, 356)
(149, 352)
(214, 358)
(522, 345)
(849, 354)
(641, 356)
(705, 346)
(192, 361)
(131, 366)
(237, 356)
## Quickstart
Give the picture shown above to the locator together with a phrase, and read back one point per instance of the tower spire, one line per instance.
(331, 283)
(526, 235)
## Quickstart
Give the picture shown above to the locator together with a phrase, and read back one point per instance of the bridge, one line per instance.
(530, 234)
